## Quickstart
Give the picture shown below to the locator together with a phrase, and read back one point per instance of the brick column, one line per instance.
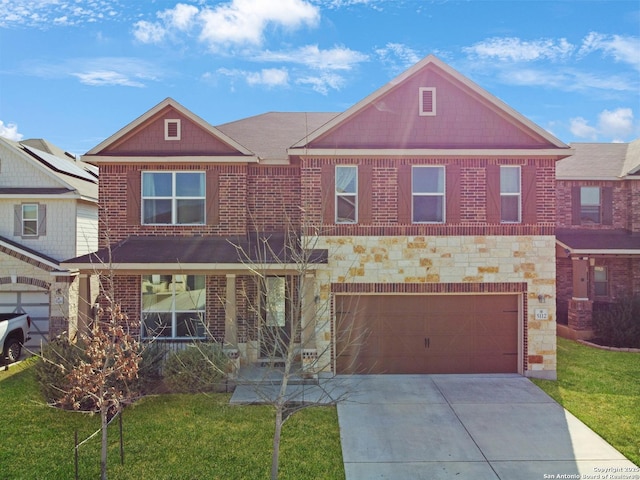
(580, 317)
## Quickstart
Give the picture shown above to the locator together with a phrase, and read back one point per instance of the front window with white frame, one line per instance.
(346, 194)
(427, 191)
(601, 281)
(173, 198)
(510, 194)
(173, 306)
(29, 220)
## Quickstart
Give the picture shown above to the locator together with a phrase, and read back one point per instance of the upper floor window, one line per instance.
(30, 220)
(173, 198)
(173, 306)
(510, 194)
(346, 194)
(427, 192)
(590, 205)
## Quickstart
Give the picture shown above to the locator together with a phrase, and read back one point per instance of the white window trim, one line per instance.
(346, 195)
(174, 199)
(37, 220)
(169, 121)
(512, 194)
(586, 204)
(431, 194)
(421, 111)
(174, 312)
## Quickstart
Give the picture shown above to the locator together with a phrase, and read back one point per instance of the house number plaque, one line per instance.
(542, 314)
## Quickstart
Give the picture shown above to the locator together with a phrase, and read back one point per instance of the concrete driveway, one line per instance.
(477, 427)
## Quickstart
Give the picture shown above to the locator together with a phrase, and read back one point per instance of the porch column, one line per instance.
(308, 323)
(230, 313)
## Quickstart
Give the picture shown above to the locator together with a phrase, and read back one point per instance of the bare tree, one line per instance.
(106, 363)
(289, 312)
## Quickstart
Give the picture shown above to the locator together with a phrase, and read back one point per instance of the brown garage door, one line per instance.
(427, 333)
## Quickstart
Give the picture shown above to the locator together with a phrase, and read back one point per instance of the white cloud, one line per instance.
(398, 56)
(10, 131)
(106, 78)
(46, 13)
(147, 32)
(235, 23)
(322, 83)
(516, 50)
(180, 17)
(337, 58)
(623, 49)
(269, 77)
(615, 125)
(580, 128)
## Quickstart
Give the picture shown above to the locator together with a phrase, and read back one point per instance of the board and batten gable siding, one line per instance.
(149, 139)
(463, 120)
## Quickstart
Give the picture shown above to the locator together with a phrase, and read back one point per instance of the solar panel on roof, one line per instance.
(60, 165)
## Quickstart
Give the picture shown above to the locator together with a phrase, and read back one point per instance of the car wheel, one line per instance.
(12, 350)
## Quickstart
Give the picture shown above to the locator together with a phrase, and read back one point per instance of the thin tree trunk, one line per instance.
(103, 454)
(275, 456)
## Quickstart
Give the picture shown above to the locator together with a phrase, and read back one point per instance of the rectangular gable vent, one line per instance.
(427, 97)
(172, 129)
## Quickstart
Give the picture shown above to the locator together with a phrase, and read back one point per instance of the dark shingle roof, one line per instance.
(591, 240)
(269, 249)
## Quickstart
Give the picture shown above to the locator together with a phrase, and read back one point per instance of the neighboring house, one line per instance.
(598, 231)
(429, 205)
(48, 212)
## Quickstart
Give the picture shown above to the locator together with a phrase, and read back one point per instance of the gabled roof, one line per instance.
(42, 261)
(270, 135)
(601, 161)
(109, 146)
(72, 175)
(383, 106)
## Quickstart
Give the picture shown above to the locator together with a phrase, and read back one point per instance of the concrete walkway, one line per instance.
(479, 427)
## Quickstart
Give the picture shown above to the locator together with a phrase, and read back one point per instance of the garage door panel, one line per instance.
(430, 333)
(36, 305)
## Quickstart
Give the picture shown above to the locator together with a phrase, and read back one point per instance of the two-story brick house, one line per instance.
(429, 206)
(598, 234)
(48, 213)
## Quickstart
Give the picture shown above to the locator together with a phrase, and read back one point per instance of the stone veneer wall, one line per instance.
(450, 263)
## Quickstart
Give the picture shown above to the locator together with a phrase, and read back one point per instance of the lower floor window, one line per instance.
(173, 306)
(601, 281)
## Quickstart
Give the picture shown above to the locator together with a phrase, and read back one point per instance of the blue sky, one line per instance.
(76, 71)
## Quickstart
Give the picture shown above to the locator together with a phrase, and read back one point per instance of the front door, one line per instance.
(275, 329)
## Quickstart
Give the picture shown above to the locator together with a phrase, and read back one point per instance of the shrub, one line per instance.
(57, 359)
(618, 324)
(150, 369)
(199, 367)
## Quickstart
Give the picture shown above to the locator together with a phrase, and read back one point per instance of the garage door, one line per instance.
(427, 333)
(36, 305)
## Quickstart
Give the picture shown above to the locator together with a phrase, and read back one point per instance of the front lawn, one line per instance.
(166, 437)
(601, 388)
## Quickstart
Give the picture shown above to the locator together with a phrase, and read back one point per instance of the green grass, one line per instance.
(166, 437)
(601, 388)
